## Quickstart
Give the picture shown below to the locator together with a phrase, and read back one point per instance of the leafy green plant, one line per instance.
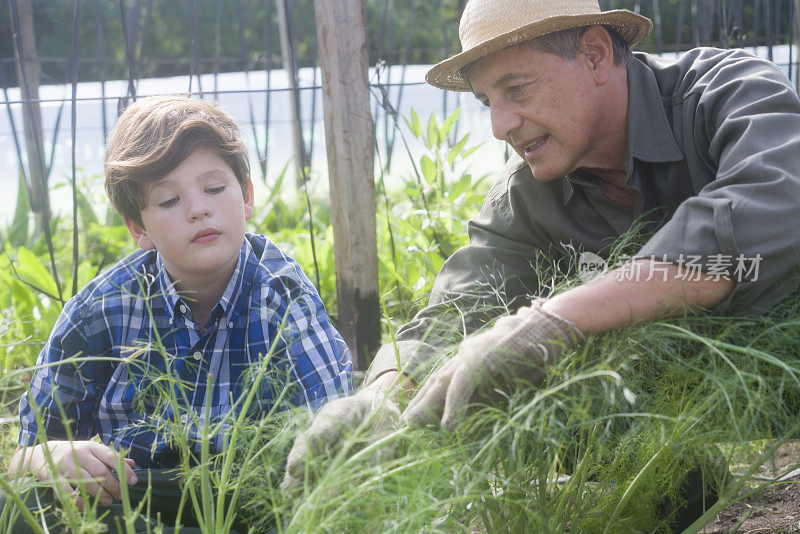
(424, 223)
(31, 293)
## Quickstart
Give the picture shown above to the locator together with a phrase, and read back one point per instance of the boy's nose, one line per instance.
(198, 208)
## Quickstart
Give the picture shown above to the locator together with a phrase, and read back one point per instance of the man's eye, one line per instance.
(169, 203)
(215, 190)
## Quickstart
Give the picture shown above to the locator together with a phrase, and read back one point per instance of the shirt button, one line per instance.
(197, 355)
(184, 418)
(182, 308)
(230, 324)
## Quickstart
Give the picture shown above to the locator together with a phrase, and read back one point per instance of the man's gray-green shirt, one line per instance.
(714, 158)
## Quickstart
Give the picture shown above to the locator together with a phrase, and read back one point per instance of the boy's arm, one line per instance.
(74, 461)
(66, 383)
(318, 355)
(63, 391)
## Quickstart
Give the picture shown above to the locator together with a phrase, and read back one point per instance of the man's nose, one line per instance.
(504, 121)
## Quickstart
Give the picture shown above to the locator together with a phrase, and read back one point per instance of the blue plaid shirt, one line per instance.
(269, 315)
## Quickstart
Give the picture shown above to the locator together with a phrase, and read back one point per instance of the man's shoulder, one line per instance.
(697, 59)
(697, 69)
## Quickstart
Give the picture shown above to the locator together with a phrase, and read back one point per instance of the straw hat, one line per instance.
(491, 25)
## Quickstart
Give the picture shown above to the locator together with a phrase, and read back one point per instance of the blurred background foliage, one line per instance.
(236, 34)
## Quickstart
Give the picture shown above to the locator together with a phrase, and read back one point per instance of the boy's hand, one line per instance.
(79, 461)
(339, 417)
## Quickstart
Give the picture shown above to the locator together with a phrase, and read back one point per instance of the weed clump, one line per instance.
(609, 442)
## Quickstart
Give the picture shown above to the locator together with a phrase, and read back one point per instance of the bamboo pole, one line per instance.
(349, 137)
(29, 76)
(290, 65)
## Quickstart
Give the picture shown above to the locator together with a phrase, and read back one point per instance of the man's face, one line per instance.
(195, 218)
(546, 109)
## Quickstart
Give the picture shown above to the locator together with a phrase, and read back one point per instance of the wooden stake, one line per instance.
(349, 137)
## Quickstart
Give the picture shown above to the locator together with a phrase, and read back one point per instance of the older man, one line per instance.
(705, 149)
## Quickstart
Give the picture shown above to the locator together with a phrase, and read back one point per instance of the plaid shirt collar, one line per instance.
(233, 301)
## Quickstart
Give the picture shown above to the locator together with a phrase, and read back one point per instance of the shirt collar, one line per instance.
(650, 137)
(233, 299)
(568, 184)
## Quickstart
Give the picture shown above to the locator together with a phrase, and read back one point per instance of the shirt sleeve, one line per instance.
(319, 358)
(745, 120)
(63, 388)
(493, 275)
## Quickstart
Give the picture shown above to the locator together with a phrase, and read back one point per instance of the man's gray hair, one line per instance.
(566, 44)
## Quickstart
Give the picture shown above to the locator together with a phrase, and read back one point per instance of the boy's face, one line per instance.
(195, 217)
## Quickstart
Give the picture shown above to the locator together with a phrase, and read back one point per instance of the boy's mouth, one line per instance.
(205, 235)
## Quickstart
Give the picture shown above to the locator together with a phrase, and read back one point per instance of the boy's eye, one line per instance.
(169, 203)
(216, 189)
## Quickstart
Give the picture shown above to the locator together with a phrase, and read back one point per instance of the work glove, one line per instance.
(338, 418)
(519, 346)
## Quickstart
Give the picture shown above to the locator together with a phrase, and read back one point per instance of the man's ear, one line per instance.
(139, 234)
(248, 201)
(598, 51)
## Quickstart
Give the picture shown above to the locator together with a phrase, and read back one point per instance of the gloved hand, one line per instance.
(375, 403)
(519, 346)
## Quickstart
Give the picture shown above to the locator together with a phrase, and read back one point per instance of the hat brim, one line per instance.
(632, 27)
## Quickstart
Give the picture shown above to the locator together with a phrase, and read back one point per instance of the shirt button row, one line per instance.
(197, 355)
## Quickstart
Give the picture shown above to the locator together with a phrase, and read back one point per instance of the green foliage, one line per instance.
(605, 444)
(27, 304)
(18, 231)
(425, 222)
(29, 293)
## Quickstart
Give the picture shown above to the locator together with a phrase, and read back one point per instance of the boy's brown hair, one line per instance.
(154, 135)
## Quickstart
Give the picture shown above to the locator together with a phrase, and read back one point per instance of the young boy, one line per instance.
(219, 300)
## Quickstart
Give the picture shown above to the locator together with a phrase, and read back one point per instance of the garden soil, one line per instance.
(773, 510)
